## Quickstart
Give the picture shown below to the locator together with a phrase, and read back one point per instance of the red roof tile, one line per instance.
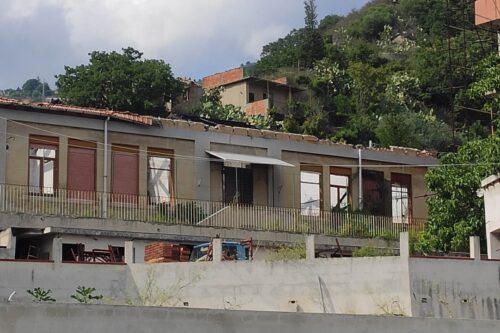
(76, 110)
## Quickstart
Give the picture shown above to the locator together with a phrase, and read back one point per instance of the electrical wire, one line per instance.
(208, 159)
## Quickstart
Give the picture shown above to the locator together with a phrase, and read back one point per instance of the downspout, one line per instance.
(105, 173)
(360, 180)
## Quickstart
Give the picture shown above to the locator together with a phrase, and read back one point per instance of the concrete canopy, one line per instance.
(233, 159)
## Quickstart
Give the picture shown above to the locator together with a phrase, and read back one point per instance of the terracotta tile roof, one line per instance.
(76, 110)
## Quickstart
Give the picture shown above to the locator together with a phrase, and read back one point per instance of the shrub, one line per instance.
(41, 295)
(368, 251)
(287, 252)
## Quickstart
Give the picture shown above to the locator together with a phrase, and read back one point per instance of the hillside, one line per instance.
(407, 72)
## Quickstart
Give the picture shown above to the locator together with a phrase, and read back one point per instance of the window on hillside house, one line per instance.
(125, 165)
(339, 188)
(160, 181)
(251, 97)
(310, 190)
(238, 185)
(81, 168)
(43, 154)
(401, 197)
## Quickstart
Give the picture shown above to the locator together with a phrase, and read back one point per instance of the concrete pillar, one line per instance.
(475, 247)
(217, 250)
(404, 245)
(493, 245)
(129, 252)
(310, 247)
(202, 169)
(9, 241)
(57, 249)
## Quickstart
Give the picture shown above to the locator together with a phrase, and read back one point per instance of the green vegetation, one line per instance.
(368, 251)
(120, 81)
(32, 89)
(382, 74)
(41, 295)
(290, 252)
(211, 107)
(85, 295)
(455, 211)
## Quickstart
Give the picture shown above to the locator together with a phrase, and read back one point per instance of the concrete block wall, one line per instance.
(451, 288)
(219, 79)
(94, 318)
(341, 285)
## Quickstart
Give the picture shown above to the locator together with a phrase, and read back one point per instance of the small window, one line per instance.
(264, 96)
(251, 97)
(339, 188)
(43, 153)
(310, 191)
(401, 197)
(160, 184)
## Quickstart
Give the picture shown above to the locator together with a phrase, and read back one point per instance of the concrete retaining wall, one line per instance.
(112, 281)
(446, 288)
(44, 318)
(342, 285)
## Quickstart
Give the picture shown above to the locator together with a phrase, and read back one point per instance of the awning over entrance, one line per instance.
(241, 160)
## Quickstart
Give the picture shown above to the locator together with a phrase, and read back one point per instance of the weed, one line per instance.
(84, 295)
(41, 295)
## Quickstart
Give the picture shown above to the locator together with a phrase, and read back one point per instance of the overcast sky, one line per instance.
(196, 37)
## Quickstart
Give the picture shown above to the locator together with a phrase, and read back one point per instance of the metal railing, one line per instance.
(82, 204)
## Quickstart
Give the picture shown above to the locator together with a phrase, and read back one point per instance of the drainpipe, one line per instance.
(360, 181)
(105, 173)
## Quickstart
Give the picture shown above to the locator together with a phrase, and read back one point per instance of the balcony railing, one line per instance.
(82, 204)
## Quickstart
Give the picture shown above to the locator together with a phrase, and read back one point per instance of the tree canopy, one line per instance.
(383, 74)
(120, 81)
(455, 210)
(33, 89)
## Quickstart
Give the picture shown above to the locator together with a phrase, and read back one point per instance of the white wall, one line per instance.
(491, 192)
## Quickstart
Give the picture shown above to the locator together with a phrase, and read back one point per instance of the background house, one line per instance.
(255, 96)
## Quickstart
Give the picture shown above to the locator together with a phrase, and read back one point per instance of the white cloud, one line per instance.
(21, 9)
(156, 25)
(261, 37)
(194, 36)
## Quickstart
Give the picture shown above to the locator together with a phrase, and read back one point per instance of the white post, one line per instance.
(129, 252)
(475, 247)
(57, 249)
(105, 172)
(404, 245)
(310, 247)
(217, 250)
(360, 180)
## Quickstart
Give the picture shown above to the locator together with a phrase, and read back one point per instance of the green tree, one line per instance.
(211, 107)
(35, 90)
(372, 21)
(486, 88)
(120, 81)
(455, 210)
(312, 47)
(279, 54)
(415, 130)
